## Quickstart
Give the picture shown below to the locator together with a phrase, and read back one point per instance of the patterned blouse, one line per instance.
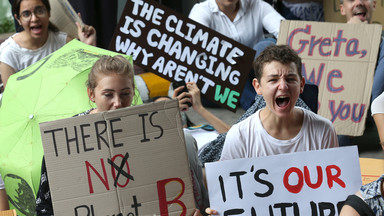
(372, 196)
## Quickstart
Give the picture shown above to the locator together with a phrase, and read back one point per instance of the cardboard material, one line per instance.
(131, 161)
(8, 213)
(341, 60)
(177, 48)
(64, 17)
(371, 169)
(303, 183)
(332, 12)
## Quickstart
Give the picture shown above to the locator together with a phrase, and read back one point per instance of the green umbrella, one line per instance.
(53, 88)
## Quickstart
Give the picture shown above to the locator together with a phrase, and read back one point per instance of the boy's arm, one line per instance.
(330, 136)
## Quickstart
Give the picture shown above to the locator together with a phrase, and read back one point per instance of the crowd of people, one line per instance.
(276, 121)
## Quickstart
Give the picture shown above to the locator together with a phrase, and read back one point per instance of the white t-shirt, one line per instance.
(248, 138)
(247, 27)
(377, 105)
(1, 183)
(19, 58)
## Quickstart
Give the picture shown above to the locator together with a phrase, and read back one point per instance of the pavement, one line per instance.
(368, 144)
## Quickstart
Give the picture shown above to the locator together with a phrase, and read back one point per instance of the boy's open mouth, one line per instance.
(282, 101)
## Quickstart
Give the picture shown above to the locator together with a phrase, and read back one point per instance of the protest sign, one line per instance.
(177, 48)
(304, 183)
(371, 169)
(130, 161)
(64, 17)
(340, 59)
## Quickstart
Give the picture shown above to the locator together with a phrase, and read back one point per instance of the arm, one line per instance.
(377, 110)
(87, 34)
(3, 197)
(6, 71)
(379, 121)
(201, 14)
(271, 19)
(217, 123)
(348, 211)
(348, 208)
(3, 200)
(234, 146)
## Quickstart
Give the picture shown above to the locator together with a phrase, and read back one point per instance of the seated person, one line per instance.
(368, 201)
(111, 86)
(377, 110)
(243, 21)
(3, 197)
(211, 152)
(280, 127)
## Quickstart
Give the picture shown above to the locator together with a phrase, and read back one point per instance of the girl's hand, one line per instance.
(195, 94)
(87, 34)
(183, 98)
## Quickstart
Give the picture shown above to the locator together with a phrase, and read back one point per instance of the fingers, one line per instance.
(183, 107)
(177, 91)
(210, 211)
(88, 30)
(197, 213)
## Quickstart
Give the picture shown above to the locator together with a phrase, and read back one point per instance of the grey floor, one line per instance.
(368, 144)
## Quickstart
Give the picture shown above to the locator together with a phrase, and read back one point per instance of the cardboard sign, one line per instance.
(178, 48)
(371, 169)
(332, 12)
(303, 183)
(341, 60)
(131, 161)
(64, 17)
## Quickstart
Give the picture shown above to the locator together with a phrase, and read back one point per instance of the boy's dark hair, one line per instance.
(280, 53)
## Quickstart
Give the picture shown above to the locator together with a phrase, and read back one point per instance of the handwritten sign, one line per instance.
(341, 60)
(178, 48)
(371, 169)
(131, 161)
(304, 183)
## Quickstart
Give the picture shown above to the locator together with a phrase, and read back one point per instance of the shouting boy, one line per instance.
(280, 127)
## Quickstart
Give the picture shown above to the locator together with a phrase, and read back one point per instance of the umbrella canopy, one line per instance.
(52, 88)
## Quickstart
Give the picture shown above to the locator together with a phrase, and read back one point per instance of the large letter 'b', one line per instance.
(163, 203)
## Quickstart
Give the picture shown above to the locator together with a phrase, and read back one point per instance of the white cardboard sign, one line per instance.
(303, 183)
